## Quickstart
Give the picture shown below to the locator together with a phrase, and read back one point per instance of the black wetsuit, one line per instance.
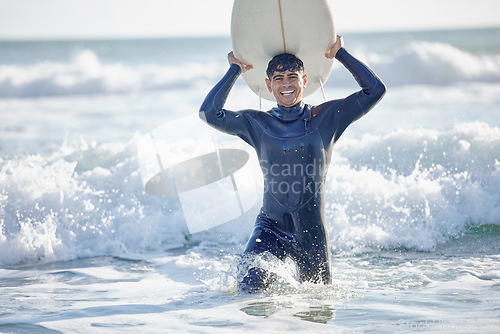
(294, 148)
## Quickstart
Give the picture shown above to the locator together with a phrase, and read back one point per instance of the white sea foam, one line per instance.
(87, 74)
(415, 189)
(419, 62)
(439, 63)
(429, 63)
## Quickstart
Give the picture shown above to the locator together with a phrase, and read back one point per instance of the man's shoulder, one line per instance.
(256, 114)
(263, 120)
(325, 106)
(256, 117)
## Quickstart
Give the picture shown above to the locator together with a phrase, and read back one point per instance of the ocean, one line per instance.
(413, 193)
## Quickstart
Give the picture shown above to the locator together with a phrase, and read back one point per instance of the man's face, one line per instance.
(287, 87)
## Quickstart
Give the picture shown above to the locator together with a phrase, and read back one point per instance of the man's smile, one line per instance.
(287, 92)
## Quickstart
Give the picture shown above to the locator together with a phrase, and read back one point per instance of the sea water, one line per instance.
(413, 193)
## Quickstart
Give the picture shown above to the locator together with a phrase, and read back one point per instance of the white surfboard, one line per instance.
(261, 29)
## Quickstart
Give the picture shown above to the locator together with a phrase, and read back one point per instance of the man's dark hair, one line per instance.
(284, 62)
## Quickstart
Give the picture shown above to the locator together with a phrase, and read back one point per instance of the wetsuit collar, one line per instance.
(289, 114)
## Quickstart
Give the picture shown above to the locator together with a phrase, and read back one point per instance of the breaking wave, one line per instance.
(416, 190)
(417, 63)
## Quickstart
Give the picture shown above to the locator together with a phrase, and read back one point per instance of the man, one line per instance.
(293, 142)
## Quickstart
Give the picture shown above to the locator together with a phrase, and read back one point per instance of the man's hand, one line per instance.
(332, 52)
(232, 60)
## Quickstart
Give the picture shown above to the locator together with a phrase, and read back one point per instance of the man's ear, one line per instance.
(304, 77)
(268, 83)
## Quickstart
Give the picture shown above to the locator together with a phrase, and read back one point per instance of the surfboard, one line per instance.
(262, 29)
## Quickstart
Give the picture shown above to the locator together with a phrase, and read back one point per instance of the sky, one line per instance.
(53, 19)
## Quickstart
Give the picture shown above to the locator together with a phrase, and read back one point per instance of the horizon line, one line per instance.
(33, 38)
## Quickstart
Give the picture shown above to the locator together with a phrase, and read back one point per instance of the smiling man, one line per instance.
(294, 142)
(286, 79)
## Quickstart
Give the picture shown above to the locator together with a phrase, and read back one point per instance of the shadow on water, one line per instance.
(319, 314)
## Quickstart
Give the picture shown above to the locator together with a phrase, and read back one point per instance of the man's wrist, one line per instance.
(235, 67)
(340, 52)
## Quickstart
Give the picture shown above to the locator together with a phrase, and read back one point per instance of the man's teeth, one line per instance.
(286, 92)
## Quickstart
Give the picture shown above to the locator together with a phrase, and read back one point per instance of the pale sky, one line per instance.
(28, 19)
